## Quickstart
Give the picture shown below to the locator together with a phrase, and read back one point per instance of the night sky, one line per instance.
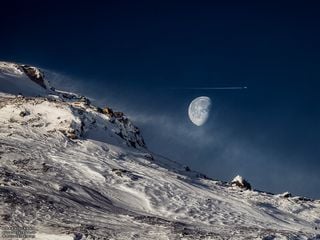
(140, 57)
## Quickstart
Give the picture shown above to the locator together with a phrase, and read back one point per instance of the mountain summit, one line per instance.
(72, 170)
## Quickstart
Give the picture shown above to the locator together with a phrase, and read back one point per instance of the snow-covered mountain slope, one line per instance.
(19, 78)
(75, 171)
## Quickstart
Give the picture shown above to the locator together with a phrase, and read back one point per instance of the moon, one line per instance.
(199, 110)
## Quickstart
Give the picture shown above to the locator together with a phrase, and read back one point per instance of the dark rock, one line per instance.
(72, 134)
(45, 167)
(241, 182)
(119, 172)
(34, 74)
(120, 134)
(305, 199)
(6, 217)
(152, 220)
(90, 227)
(78, 236)
(136, 130)
(21, 162)
(118, 115)
(24, 113)
(64, 188)
(128, 174)
(99, 110)
(80, 111)
(286, 195)
(108, 111)
(270, 237)
(132, 143)
(149, 157)
(37, 125)
(85, 100)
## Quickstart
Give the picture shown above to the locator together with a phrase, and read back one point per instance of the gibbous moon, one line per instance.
(199, 110)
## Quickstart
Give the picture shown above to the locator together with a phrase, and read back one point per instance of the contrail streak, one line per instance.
(213, 88)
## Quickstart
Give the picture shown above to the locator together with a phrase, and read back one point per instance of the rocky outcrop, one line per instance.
(34, 74)
(286, 195)
(108, 111)
(119, 115)
(125, 173)
(241, 183)
(127, 131)
(24, 113)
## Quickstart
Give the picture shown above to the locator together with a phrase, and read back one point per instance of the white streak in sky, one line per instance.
(213, 88)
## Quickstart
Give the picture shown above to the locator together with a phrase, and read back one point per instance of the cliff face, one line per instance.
(35, 75)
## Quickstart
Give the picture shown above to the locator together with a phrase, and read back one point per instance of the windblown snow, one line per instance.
(72, 170)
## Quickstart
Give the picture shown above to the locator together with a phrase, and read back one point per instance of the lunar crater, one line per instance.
(199, 110)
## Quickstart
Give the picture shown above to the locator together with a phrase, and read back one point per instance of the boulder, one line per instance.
(286, 195)
(149, 157)
(99, 110)
(72, 134)
(119, 172)
(118, 114)
(107, 111)
(241, 182)
(85, 100)
(24, 113)
(187, 169)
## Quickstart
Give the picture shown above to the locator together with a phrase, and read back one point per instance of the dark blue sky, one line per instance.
(131, 55)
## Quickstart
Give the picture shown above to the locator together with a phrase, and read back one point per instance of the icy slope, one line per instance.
(75, 171)
(17, 78)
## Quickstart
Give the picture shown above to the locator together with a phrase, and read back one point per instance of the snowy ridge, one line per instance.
(72, 170)
(14, 81)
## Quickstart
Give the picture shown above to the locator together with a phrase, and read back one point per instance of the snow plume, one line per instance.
(222, 155)
(67, 82)
(217, 149)
(100, 94)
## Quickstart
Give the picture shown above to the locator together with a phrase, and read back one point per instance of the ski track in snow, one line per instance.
(97, 187)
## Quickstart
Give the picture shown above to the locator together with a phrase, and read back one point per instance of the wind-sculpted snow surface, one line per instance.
(71, 171)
